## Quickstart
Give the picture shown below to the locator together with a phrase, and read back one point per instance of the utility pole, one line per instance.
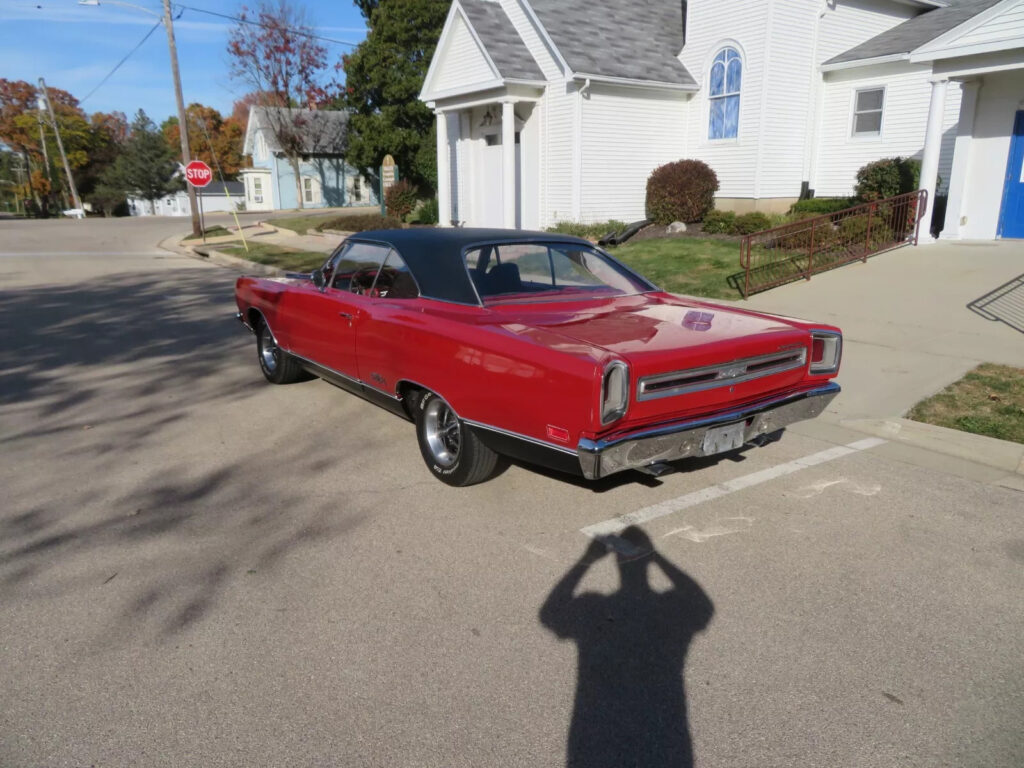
(186, 155)
(60, 145)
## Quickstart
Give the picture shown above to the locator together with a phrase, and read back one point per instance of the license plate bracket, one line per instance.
(722, 439)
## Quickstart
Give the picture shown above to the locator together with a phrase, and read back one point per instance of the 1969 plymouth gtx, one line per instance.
(538, 347)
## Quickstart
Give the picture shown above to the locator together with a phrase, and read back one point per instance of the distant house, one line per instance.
(327, 180)
(214, 198)
(552, 110)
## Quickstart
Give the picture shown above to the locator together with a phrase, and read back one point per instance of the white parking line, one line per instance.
(607, 531)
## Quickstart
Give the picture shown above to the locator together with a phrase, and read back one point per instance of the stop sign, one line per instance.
(198, 173)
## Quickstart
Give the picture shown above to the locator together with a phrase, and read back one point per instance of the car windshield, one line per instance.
(505, 272)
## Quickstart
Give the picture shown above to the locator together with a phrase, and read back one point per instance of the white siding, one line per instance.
(534, 44)
(905, 113)
(852, 22)
(1008, 25)
(462, 61)
(787, 98)
(627, 133)
(709, 24)
(556, 168)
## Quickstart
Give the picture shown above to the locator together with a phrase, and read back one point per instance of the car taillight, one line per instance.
(614, 391)
(826, 351)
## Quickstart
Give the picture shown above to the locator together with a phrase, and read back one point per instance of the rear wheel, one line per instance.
(452, 452)
(277, 365)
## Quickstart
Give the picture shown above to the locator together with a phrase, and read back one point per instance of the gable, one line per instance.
(998, 28)
(460, 60)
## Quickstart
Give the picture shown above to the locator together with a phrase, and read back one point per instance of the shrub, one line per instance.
(887, 177)
(751, 222)
(681, 191)
(427, 213)
(854, 230)
(361, 223)
(400, 199)
(719, 223)
(821, 205)
(588, 231)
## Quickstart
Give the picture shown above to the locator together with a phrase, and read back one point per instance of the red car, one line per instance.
(539, 347)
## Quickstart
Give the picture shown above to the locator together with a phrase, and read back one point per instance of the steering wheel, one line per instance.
(362, 280)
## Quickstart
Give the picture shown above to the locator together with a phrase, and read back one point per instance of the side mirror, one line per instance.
(318, 278)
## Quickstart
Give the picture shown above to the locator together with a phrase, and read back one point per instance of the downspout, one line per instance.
(814, 107)
(577, 165)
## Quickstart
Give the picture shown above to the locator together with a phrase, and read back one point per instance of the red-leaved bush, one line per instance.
(400, 199)
(681, 191)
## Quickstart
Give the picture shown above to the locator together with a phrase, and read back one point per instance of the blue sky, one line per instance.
(74, 47)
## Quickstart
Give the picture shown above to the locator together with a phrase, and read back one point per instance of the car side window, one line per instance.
(395, 281)
(355, 268)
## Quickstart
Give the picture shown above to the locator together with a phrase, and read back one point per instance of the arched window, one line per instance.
(724, 94)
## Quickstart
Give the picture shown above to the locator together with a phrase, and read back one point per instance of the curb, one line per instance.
(236, 262)
(1000, 454)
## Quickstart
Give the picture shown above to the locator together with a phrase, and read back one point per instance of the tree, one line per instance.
(287, 68)
(383, 78)
(146, 166)
(212, 139)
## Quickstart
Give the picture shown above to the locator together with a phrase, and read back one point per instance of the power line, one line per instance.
(122, 61)
(255, 23)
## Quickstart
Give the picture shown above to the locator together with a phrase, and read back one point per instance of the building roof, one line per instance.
(322, 131)
(503, 44)
(611, 38)
(915, 32)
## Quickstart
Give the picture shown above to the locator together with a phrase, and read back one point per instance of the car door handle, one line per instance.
(346, 315)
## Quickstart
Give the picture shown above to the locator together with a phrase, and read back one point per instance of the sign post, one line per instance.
(198, 174)
(388, 176)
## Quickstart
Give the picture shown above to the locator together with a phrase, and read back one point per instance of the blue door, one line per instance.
(1011, 216)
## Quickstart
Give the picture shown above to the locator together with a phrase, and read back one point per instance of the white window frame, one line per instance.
(310, 190)
(854, 112)
(261, 147)
(741, 55)
(257, 189)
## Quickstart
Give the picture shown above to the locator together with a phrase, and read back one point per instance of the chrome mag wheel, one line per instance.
(270, 353)
(443, 432)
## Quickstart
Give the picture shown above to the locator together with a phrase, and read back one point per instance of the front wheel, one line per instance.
(277, 365)
(452, 452)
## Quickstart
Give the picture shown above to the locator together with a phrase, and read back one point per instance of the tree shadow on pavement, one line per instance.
(630, 706)
(119, 490)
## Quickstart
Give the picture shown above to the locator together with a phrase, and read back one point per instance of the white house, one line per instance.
(551, 110)
(217, 196)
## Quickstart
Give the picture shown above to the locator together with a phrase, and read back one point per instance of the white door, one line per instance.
(489, 198)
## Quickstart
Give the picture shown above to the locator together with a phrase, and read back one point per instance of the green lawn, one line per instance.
(987, 401)
(214, 231)
(693, 266)
(277, 256)
(302, 223)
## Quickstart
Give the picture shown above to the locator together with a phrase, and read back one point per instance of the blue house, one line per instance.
(326, 180)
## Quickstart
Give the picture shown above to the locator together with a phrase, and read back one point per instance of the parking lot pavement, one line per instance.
(197, 568)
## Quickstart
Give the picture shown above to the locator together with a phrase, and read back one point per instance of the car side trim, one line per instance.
(517, 436)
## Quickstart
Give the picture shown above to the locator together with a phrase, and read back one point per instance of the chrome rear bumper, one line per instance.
(684, 439)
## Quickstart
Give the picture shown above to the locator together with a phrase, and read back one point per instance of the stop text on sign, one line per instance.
(198, 173)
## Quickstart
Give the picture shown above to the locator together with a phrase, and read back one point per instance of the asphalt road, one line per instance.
(200, 569)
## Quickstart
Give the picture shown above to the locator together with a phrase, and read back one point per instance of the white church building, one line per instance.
(558, 110)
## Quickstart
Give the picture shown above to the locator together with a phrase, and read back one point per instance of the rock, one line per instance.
(676, 226)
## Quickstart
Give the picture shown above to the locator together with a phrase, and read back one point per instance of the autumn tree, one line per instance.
(272, 52)
(212, 139)
(383, 78)
(146, 167)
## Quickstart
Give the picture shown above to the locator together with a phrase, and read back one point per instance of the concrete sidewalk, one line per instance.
(908, 332)
(907, 329)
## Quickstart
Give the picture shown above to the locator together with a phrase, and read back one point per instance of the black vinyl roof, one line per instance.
(434, 256)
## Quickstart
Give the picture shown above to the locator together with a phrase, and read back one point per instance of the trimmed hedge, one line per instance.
(587, 231)
(719, 223)
(361, 223)
(681, 191)
(887, 177)
(752, 222)
(822, 205)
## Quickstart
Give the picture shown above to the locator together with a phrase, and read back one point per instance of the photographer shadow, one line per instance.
(630, 706)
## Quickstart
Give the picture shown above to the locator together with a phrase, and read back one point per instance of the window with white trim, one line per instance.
(257, 189)
(310, 190)
(726, 78)
(261, 147)
(867, 112)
